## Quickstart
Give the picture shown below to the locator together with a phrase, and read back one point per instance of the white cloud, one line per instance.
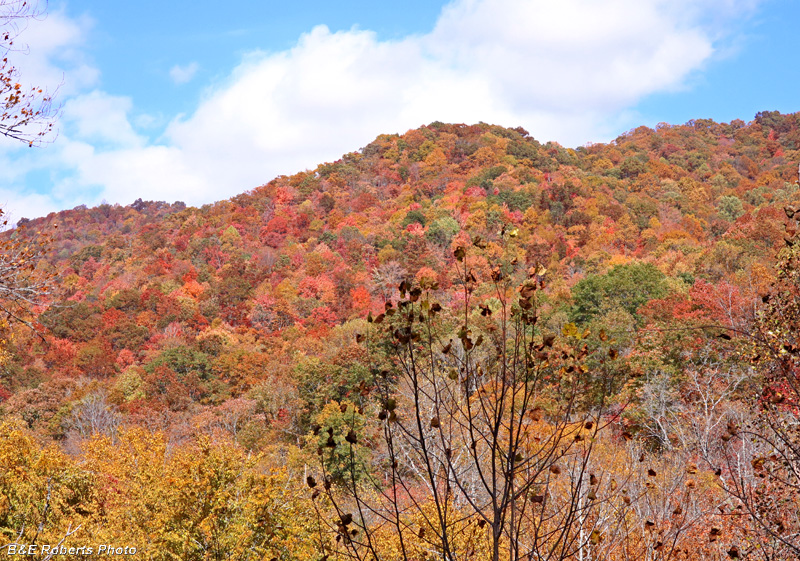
(183, 74)
(151, 172)
(563, 70)
(54, 57)
(568, 71)
(20, 205)
(101, 118)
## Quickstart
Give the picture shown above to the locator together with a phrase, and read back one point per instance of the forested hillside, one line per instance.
(187, 373)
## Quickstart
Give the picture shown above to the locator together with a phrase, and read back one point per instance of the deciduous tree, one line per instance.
(488, 439)
(27, 113)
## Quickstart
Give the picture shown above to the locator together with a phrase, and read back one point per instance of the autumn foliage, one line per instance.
(181, 367)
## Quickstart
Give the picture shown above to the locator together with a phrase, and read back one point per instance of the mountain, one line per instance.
(243, 321)
(220, 299)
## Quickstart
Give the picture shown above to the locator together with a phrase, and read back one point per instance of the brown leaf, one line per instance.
(535, 414)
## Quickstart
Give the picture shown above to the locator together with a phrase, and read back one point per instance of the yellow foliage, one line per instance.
(202, 500)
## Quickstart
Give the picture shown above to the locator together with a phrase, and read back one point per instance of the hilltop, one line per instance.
(204, 382)
(175, 308)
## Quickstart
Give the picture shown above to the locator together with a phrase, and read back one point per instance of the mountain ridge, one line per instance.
(303, 255)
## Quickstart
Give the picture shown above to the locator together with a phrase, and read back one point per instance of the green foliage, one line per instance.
(485, 177)
(182, 360)
(321, 382)
(130, 383)
(414, 216)
(524, 149)
(126, 334)
(632, 167)
(773, 120)
(344, 461)
(86, 253)
(519, 199)
(624, 286)
(71, 321)
(441, 231)
(730, 207)
(126, 299)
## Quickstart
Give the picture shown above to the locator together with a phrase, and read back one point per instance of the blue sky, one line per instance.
(198, 105)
